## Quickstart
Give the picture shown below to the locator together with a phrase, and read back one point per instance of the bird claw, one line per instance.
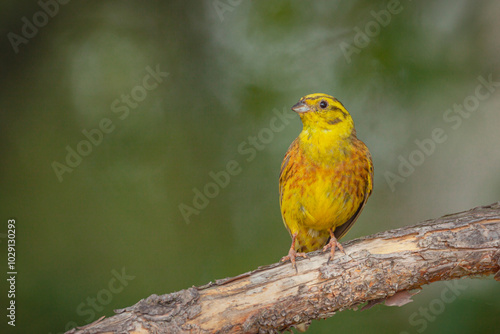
(292, 255)
(332, 244)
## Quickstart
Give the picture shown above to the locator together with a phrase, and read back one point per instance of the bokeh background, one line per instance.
(232, 67)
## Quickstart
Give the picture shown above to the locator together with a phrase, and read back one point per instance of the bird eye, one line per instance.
(323, 104)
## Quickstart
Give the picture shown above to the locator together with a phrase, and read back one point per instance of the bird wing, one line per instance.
(344, 228)
(341, 230)
(285, 168)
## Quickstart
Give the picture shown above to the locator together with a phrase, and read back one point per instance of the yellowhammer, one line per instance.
(325, 179)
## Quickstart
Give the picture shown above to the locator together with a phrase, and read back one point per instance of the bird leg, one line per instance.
(332, 244)
(292, 254)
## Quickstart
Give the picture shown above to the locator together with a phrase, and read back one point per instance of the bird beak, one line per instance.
(301, 107)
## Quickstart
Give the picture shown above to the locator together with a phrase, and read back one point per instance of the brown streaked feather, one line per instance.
(341, 230)
(285, 169)
(284, 165)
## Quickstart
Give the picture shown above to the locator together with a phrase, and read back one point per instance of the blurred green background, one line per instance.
(225, 69)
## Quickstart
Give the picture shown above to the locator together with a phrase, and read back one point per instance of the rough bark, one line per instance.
(385, 266)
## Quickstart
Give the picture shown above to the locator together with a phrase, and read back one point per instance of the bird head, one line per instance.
(325, 113)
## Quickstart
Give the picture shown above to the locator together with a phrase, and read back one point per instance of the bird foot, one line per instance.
(332, 244)
(292, 255)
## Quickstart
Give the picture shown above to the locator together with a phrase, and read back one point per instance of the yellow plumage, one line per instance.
(326, 176)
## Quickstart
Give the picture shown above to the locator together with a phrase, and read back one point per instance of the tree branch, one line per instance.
(384, 266)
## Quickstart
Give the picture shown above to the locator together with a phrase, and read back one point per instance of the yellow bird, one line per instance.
(325, 179)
